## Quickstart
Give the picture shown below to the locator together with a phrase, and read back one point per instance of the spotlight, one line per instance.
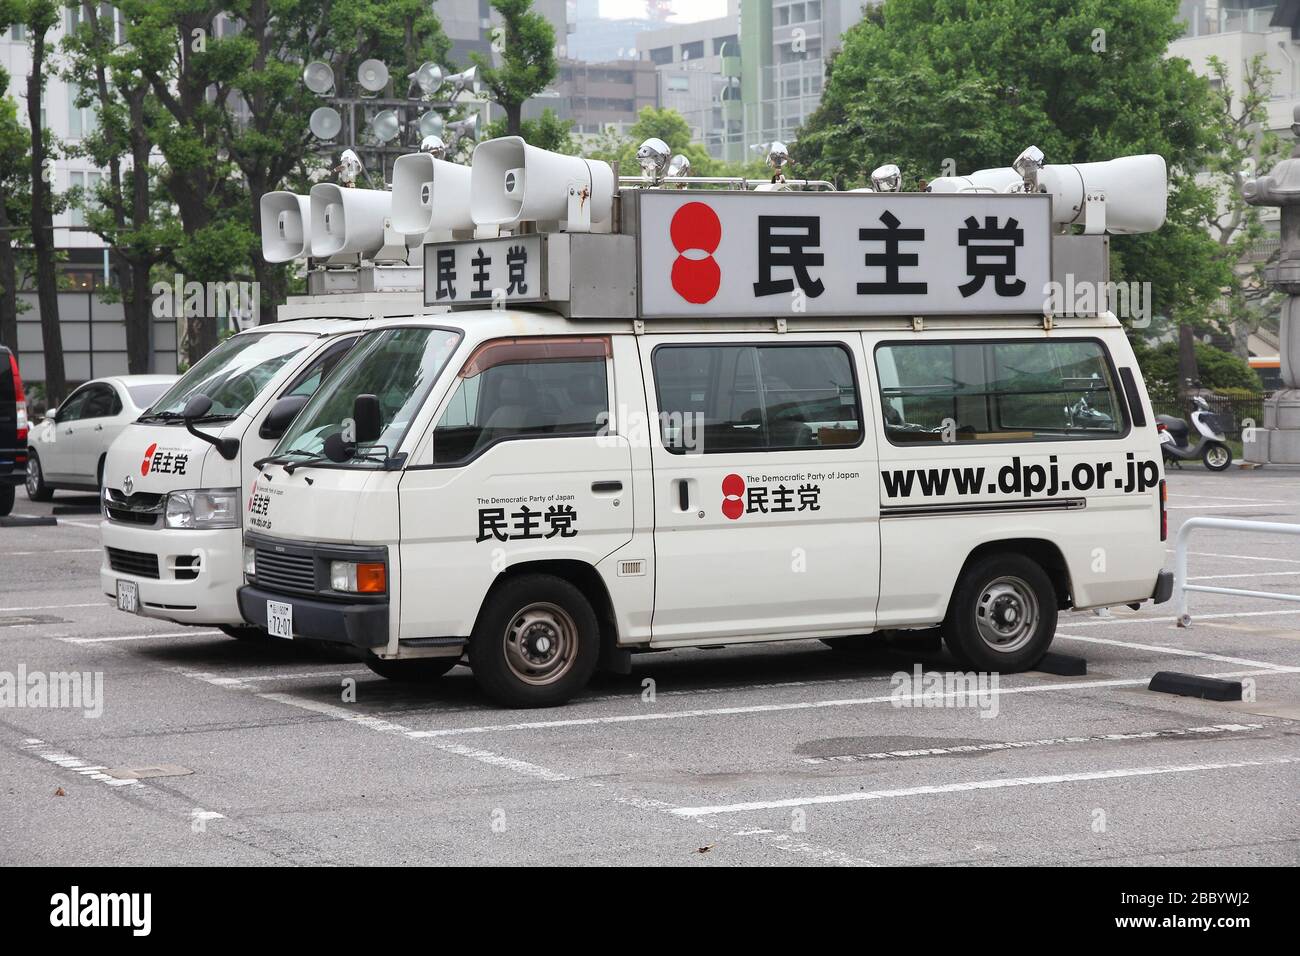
(653, 155)
(325, 123)
(318, 77)
(428, 78)
(372, 75)
(385, 126)
(887, 178)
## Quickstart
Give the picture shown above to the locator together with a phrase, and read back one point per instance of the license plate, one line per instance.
(279, 620)
(128, 597)
(1166, 438)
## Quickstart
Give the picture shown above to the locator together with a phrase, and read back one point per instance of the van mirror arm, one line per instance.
(227, 447)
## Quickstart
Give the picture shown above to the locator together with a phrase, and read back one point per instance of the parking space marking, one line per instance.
(136, 637)
(53, 607)
(995, 745)
(68, 762)
(380, 725)
(1176, 651)
(1157, 618)
(1237, 557)
(21, 554)
(971, 785)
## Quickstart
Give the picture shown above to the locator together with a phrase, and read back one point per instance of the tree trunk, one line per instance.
(1188, 373)
(514, 118)
(138, 313)
(47, 281)
(9, 280)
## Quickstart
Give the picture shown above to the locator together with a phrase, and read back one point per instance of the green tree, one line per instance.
(670, 126)
(1248, 147)
(526, 43)
(39, 17)
(548, 131)
(1219, 369)
(15, 207)
(944, 86)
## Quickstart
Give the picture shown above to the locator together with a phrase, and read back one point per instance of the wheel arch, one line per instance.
(1047, 554)
(581, 575)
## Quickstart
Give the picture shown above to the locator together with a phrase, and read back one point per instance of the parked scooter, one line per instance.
(1211, 442)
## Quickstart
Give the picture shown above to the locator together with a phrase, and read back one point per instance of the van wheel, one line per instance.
(1002, 616)
(1217, 457)
(37, 489)
(418, 671)
(7, 494)
(243, 632)
(536, 642)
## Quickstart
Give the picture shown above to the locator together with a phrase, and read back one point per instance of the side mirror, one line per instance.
(281, 416)
(366, 415)
(198, 406)
(52, 414)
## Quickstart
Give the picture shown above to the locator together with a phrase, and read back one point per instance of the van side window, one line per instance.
(941, 392)
(525, 388)
(309, 380)
(727, 398)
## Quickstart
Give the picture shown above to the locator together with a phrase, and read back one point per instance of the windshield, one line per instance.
(232, 374)
(146, 395)
(398, 366)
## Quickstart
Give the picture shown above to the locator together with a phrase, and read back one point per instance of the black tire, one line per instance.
(37, 489)
(244, 632)
(7, 495)
(536, 642)
(1002, 616)
(416, 671)
(1221, 454)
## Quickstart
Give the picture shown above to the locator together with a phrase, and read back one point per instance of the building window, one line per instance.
(18, 31)
(693, 51)
(89, 184)
(726, 46)
(679, 83)
(82, 120)
(661, 55)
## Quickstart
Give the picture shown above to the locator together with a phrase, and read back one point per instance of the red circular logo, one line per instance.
(695, 228)
(733, 491)
(148, 458)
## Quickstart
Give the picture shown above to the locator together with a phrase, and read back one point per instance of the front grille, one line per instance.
(286, 572)
(137, 509)
(133, 562)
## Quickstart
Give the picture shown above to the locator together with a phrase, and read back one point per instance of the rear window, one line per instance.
(146, 395)
(949, 392)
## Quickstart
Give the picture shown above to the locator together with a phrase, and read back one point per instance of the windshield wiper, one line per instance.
(161, 416)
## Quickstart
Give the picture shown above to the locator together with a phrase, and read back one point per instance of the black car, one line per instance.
(13, 430)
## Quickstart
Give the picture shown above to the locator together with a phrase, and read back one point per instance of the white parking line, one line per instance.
(136, 637)
(970, 785)
(773, 708)
(53, 607)
(994, 745)
(1237, 557)
(1177, 651)
(1168, 619)
(21, 554)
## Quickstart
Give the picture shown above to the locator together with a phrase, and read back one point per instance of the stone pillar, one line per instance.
(1277, 441)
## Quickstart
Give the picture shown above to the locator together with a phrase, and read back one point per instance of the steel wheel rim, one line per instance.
(541, 643)
(1007, 614)
(33, 476)
(1217, 456)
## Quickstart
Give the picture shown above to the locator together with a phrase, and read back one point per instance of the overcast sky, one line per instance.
(684, 10)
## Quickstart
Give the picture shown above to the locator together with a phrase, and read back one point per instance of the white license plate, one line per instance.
(279, 620)
(128, 597)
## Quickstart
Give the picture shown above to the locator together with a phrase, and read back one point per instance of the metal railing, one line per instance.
(1181, 587)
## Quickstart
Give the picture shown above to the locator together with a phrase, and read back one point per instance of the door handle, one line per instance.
(99, 428)
(67, 431)
(683, 494)
(606, 487)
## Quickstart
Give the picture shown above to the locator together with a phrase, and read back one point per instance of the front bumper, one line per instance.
(362, 626)
(186, 590)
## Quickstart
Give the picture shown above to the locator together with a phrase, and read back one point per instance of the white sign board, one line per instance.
(772, 254)
(481, 272)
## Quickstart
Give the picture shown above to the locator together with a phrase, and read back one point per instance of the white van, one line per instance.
(174, 488)
(671, 447)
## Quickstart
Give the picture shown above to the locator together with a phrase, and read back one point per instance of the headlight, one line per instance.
(250, 560)
(203, 508)
(359, 577)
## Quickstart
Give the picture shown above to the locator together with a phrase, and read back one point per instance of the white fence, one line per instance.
(1181, 587)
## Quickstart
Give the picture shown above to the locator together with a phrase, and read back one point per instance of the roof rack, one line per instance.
(528, 227)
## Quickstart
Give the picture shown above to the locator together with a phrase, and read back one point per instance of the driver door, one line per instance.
(56, 451)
